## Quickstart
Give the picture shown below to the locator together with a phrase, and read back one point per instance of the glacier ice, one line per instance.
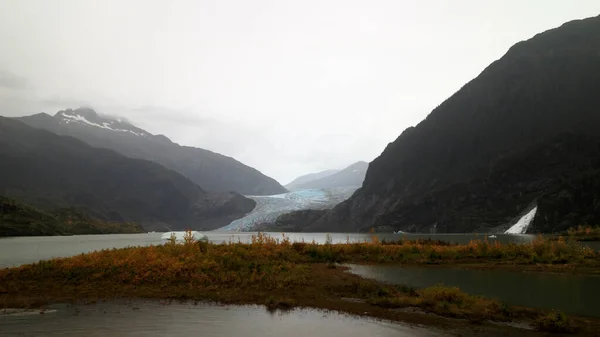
(521, 226)
(180, 235)
(268, 208)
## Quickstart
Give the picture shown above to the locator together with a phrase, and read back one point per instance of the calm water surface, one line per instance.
(147, 318)
(569, 293)
(575, 294)
(22, 250)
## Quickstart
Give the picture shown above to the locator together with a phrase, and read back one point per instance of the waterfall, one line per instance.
(521, 226)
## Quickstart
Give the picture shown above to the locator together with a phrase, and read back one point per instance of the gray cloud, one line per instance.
(57, 102)
(242, 139)
(288, 87)
(11, 81)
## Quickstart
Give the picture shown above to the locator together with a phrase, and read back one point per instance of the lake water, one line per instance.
(21, 250)
(574, 294)
(150, 318)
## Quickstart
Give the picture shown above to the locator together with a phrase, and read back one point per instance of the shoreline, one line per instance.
(284, 275)
(520, 322)
(424, 320)
(504, 267)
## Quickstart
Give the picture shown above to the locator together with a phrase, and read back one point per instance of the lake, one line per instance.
(150, 318)
(574, 294)
(569, 293)
(22, 250)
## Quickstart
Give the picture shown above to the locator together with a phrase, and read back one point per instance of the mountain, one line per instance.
(50, 171)
(351, 176)
(522, 133)
(17, 219)
(209, 170)
(308, 177)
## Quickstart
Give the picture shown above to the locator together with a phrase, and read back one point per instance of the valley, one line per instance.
(479, 220)
(314, 192)
(268, 209)
(481, 160)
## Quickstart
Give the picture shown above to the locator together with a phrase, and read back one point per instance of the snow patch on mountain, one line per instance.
(269, 208)
(68, 118)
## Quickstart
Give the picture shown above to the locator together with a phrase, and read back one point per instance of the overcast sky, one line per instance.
(288, 87)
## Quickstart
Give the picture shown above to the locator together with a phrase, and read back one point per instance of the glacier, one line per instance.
(521, 226)
(269, 207)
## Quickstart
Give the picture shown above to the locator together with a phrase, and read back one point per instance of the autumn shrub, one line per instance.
(556, 322)
(274, 267)
(232, 264)
(446, 301)
(584, 232)
(188, 237)
(436, 294)
(282, 304)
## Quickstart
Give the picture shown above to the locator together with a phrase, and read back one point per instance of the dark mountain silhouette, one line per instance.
(51, 171)
(296, 221)
(209, 170)
(17, 219)
(351, 176)
(523, 133)
(307, 178)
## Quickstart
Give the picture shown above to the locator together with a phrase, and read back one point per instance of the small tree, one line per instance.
(188, 237)
(173, 238)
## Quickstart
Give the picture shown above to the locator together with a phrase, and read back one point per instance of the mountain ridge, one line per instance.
(309, 177)
(350, 176)
(50, 171)
(208, 169)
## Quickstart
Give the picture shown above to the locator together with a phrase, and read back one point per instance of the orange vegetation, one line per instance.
(278, 273)
(585, 233)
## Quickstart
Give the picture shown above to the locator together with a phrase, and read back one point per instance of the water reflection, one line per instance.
(148, 318)
(575, 294)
